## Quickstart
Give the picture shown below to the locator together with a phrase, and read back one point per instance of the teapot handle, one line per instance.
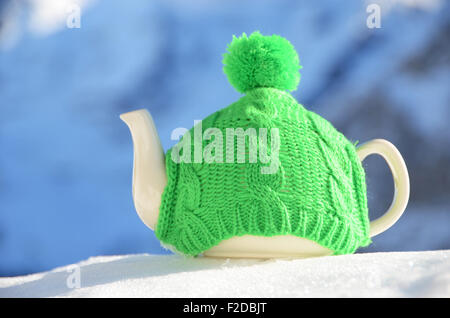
(401, 182)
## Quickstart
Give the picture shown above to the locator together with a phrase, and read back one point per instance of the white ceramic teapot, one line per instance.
(150, 179)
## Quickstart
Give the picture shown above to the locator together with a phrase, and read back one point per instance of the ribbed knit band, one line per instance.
(318, 191)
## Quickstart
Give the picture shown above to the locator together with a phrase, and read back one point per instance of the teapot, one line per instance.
(317, 207)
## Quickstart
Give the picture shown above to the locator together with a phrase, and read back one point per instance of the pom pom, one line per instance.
(261, 61)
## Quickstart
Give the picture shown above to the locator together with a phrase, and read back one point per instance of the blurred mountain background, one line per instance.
(66, 158)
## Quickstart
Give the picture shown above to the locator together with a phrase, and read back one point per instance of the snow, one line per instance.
(399, 274)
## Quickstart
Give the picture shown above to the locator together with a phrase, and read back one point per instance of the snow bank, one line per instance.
(403, 274)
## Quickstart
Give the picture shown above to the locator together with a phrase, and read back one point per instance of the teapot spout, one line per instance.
(149, 168)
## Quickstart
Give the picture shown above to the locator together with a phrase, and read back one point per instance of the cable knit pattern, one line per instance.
(318, 191)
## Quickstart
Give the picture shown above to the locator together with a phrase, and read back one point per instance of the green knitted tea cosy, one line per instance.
(317, 190)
